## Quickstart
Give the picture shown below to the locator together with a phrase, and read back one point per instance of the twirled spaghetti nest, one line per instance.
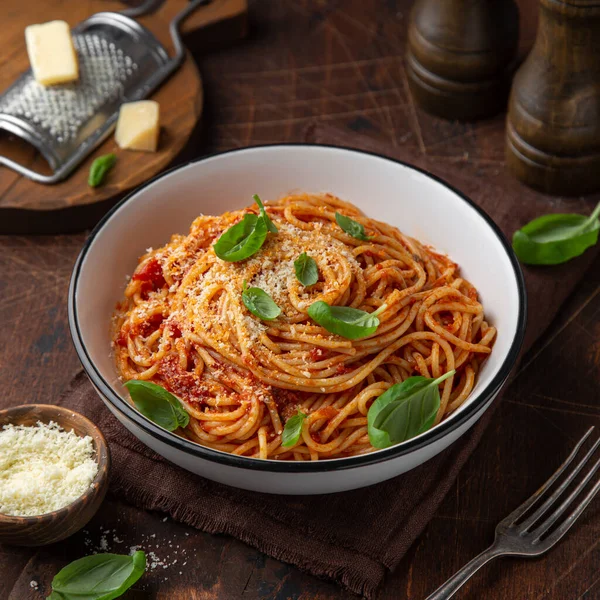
(184, 326)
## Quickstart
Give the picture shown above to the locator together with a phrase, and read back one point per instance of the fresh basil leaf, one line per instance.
(245, 238)
(100, 167)
(307, 271)
(292, 430)
(263, 213)
(351, 227)
(350, 323)
(98, 577)
(404, 411)
(555, 239)
(242, 240)
(259, 303)
(182, 416)
(158, 404)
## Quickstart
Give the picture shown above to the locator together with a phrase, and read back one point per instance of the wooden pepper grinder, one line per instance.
(461, 56)
(553, 126)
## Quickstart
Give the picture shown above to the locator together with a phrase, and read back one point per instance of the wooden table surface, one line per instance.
(340, 62)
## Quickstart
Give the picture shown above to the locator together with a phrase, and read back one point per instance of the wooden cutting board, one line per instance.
(71, 205)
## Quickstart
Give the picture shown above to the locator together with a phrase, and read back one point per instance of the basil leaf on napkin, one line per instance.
(98, 577)
(555, 239)
(404, 411)
(158, 404)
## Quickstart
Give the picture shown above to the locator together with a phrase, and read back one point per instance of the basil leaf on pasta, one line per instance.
(263, 215)
(242, 240)
(345, 321)
(404, 411)
(98, 577)
(351, 227)
(158, 404)
(183, 418)
(307, 271)
(555, 239)
(100, 167)
(259, 303)
(292, 430)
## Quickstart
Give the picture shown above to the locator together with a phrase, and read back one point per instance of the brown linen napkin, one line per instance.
(331, 536)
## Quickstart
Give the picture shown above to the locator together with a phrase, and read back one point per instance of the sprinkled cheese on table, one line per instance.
(43, 468)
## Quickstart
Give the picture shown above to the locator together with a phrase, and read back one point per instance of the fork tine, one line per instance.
(556, 535)
(539, 531)
(519, 511)
(558, 492)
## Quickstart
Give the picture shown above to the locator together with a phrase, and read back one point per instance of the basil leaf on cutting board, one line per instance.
(158, 404)
(404, 411)
(99, 169)
(351, 227)
(555, 239)
(345, 321)
(307, 271)
(98, 577)
(259, 303)
(292, 430)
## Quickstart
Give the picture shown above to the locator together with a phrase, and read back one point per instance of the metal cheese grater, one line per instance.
(119, 61)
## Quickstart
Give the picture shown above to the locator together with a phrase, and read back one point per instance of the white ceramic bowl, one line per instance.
(417, 203)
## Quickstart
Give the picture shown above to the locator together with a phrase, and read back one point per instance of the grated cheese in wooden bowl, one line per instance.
(43, 468)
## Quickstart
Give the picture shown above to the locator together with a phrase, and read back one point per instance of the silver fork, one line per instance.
(530, 536)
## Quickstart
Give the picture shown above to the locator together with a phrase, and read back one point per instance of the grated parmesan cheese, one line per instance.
(271, 270)
(43, 468)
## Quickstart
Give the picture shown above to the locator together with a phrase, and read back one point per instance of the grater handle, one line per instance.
(149, 6)
(174, 29)
(33, 175)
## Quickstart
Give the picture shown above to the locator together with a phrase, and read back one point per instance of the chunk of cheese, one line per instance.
(51, 53)
(138, 125)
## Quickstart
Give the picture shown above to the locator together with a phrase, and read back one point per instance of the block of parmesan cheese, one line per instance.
(138, 125)
(51, 53)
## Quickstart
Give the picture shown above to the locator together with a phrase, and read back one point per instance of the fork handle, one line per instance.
(460, 578)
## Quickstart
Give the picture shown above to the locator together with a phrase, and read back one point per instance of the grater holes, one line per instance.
(62, 111)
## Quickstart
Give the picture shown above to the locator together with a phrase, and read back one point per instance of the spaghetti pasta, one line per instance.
(183, 325)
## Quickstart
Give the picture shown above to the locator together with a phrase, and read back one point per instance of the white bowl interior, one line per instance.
(417, 204)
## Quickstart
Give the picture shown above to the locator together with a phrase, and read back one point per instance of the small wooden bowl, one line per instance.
(54, 526)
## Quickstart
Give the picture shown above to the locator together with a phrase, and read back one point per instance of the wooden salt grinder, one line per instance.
(553, 126)
(461, 56)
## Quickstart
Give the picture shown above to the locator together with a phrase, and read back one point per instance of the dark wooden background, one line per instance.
(340, 62)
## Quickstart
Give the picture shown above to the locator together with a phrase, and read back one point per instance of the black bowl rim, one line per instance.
(336, 464)
(95, 484)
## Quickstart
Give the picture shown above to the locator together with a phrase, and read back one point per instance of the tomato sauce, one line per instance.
(317, 354)
(122, 339)
(182, 383)
(150, 275)
(150, 325)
